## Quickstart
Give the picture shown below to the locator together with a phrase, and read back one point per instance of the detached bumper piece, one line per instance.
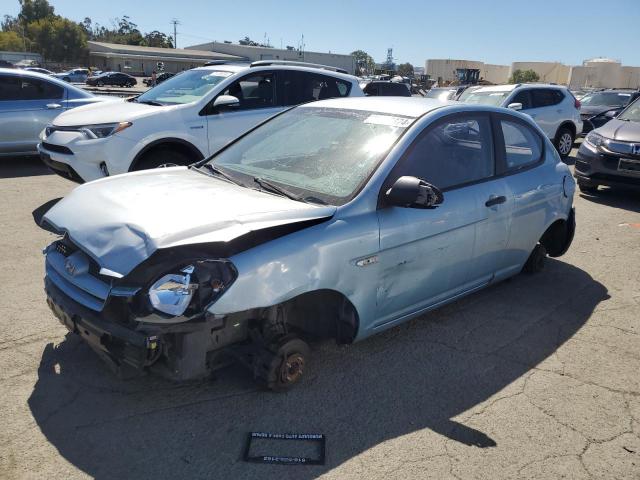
(124, 350)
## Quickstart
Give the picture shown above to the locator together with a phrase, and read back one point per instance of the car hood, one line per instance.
(123, 220)
(105, 112)
(625, 131)
(597, 110)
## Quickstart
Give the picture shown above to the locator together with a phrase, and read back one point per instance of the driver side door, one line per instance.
(426, 253)
(258, 100)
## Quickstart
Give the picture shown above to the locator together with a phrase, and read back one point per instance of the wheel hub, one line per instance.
(292, 368)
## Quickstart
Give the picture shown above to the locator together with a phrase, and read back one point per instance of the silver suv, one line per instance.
(552, 107)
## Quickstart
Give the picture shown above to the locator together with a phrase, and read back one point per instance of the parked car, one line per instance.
(610, 155)
(552, 107)
(116, 79)
(339, 218)
(601, 106)
(29, 101)
(44, 71)
(159, 78)
(75, 75)
(444, 93)
(386, 89)
(185, 118)
(6, 64)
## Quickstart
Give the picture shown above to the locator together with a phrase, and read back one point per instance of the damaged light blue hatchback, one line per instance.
(339, 219)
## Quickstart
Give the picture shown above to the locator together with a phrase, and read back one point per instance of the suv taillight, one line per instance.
(577, 103)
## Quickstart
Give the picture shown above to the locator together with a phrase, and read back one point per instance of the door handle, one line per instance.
(495, 200)
(53, 106)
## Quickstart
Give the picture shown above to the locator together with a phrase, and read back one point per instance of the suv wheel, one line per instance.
(165, 157)
(564, 142)
(587, 187)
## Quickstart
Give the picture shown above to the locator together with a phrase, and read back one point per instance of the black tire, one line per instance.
(564, 141)
(535, 262)
(162, 157)
(588, 188)
(287, 364)
(100, 84)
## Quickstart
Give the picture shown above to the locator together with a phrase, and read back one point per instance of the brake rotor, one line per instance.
(292, 368)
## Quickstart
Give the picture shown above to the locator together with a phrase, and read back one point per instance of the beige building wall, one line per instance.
(549, 72)
(495, 73)
(631, 77)
(604, 73)
(444, 70)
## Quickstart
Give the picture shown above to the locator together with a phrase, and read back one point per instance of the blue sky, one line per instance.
(493, 31)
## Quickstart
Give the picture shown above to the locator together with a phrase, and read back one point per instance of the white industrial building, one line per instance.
(253, 53)
(596, 72)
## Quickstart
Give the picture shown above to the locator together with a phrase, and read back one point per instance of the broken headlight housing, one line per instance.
(191, 289)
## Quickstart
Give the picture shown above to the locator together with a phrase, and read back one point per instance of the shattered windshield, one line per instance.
(325, 153)
(632, 113)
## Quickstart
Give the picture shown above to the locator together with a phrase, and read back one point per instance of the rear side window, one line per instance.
(17, 88)
(523, 147)
(302, 87)
(545, 97)
(523, 97)
(453, 152)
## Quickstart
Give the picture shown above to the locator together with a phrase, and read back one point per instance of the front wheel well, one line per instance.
(175, 145)
(322, 314)
(568, 125)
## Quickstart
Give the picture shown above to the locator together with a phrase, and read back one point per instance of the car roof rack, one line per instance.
(216, 62)
(266, 63)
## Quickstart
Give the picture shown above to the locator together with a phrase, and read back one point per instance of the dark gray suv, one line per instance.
(610, 155)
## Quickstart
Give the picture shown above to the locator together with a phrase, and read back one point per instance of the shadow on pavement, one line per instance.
(623, 198)
(22, 166)
(415, 377)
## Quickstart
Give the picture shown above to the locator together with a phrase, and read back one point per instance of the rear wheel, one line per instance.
(535, 262)
(165, 157)
(564, 142)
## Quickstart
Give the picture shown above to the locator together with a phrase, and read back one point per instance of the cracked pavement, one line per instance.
(536, 377)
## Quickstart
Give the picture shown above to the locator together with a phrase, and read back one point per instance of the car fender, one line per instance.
(158, 139)
(279, 270)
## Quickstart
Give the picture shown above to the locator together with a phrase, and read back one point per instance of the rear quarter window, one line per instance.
(522, 146)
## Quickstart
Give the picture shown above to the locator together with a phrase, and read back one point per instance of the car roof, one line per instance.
(241, 67)
(48, 78)
(405, 106)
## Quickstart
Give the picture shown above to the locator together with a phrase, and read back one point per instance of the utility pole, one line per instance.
(175, 23)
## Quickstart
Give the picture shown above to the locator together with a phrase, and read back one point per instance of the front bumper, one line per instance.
(122, 348)
(601, 168)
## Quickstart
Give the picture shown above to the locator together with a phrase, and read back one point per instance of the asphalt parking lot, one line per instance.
(536, 377)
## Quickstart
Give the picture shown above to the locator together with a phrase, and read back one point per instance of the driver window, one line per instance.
(453, 152)
(253, 91)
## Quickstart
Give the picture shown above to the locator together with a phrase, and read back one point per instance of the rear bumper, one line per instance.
(122, 348)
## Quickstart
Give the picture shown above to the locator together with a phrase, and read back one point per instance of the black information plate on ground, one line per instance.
(263, 447)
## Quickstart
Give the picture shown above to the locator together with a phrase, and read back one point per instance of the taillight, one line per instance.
(577, 103)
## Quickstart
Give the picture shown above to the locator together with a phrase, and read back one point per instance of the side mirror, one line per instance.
(226, 102)
(611, 114)
(411, 192)
(515, 106)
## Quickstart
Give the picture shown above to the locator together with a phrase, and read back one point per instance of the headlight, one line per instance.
(104, 130)
(189, 291)
(595, 139)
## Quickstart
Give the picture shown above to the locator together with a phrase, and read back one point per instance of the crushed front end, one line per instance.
(154, 317)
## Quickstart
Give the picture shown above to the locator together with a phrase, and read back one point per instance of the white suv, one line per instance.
(552, 107)
(185, 118)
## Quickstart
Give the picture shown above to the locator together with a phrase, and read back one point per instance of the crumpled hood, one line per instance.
(123, 219)
(118, 110)
(625, 131)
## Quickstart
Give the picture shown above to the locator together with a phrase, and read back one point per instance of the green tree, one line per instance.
(11, 41)
(405, 70)
(34, 10)
(157, 39)
(524, 76)
(365, 64)
(58, 39)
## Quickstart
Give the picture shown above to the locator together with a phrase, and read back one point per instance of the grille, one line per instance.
(56, 148)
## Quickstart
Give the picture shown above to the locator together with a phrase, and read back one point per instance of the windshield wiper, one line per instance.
(217, 171)
(267, 185)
